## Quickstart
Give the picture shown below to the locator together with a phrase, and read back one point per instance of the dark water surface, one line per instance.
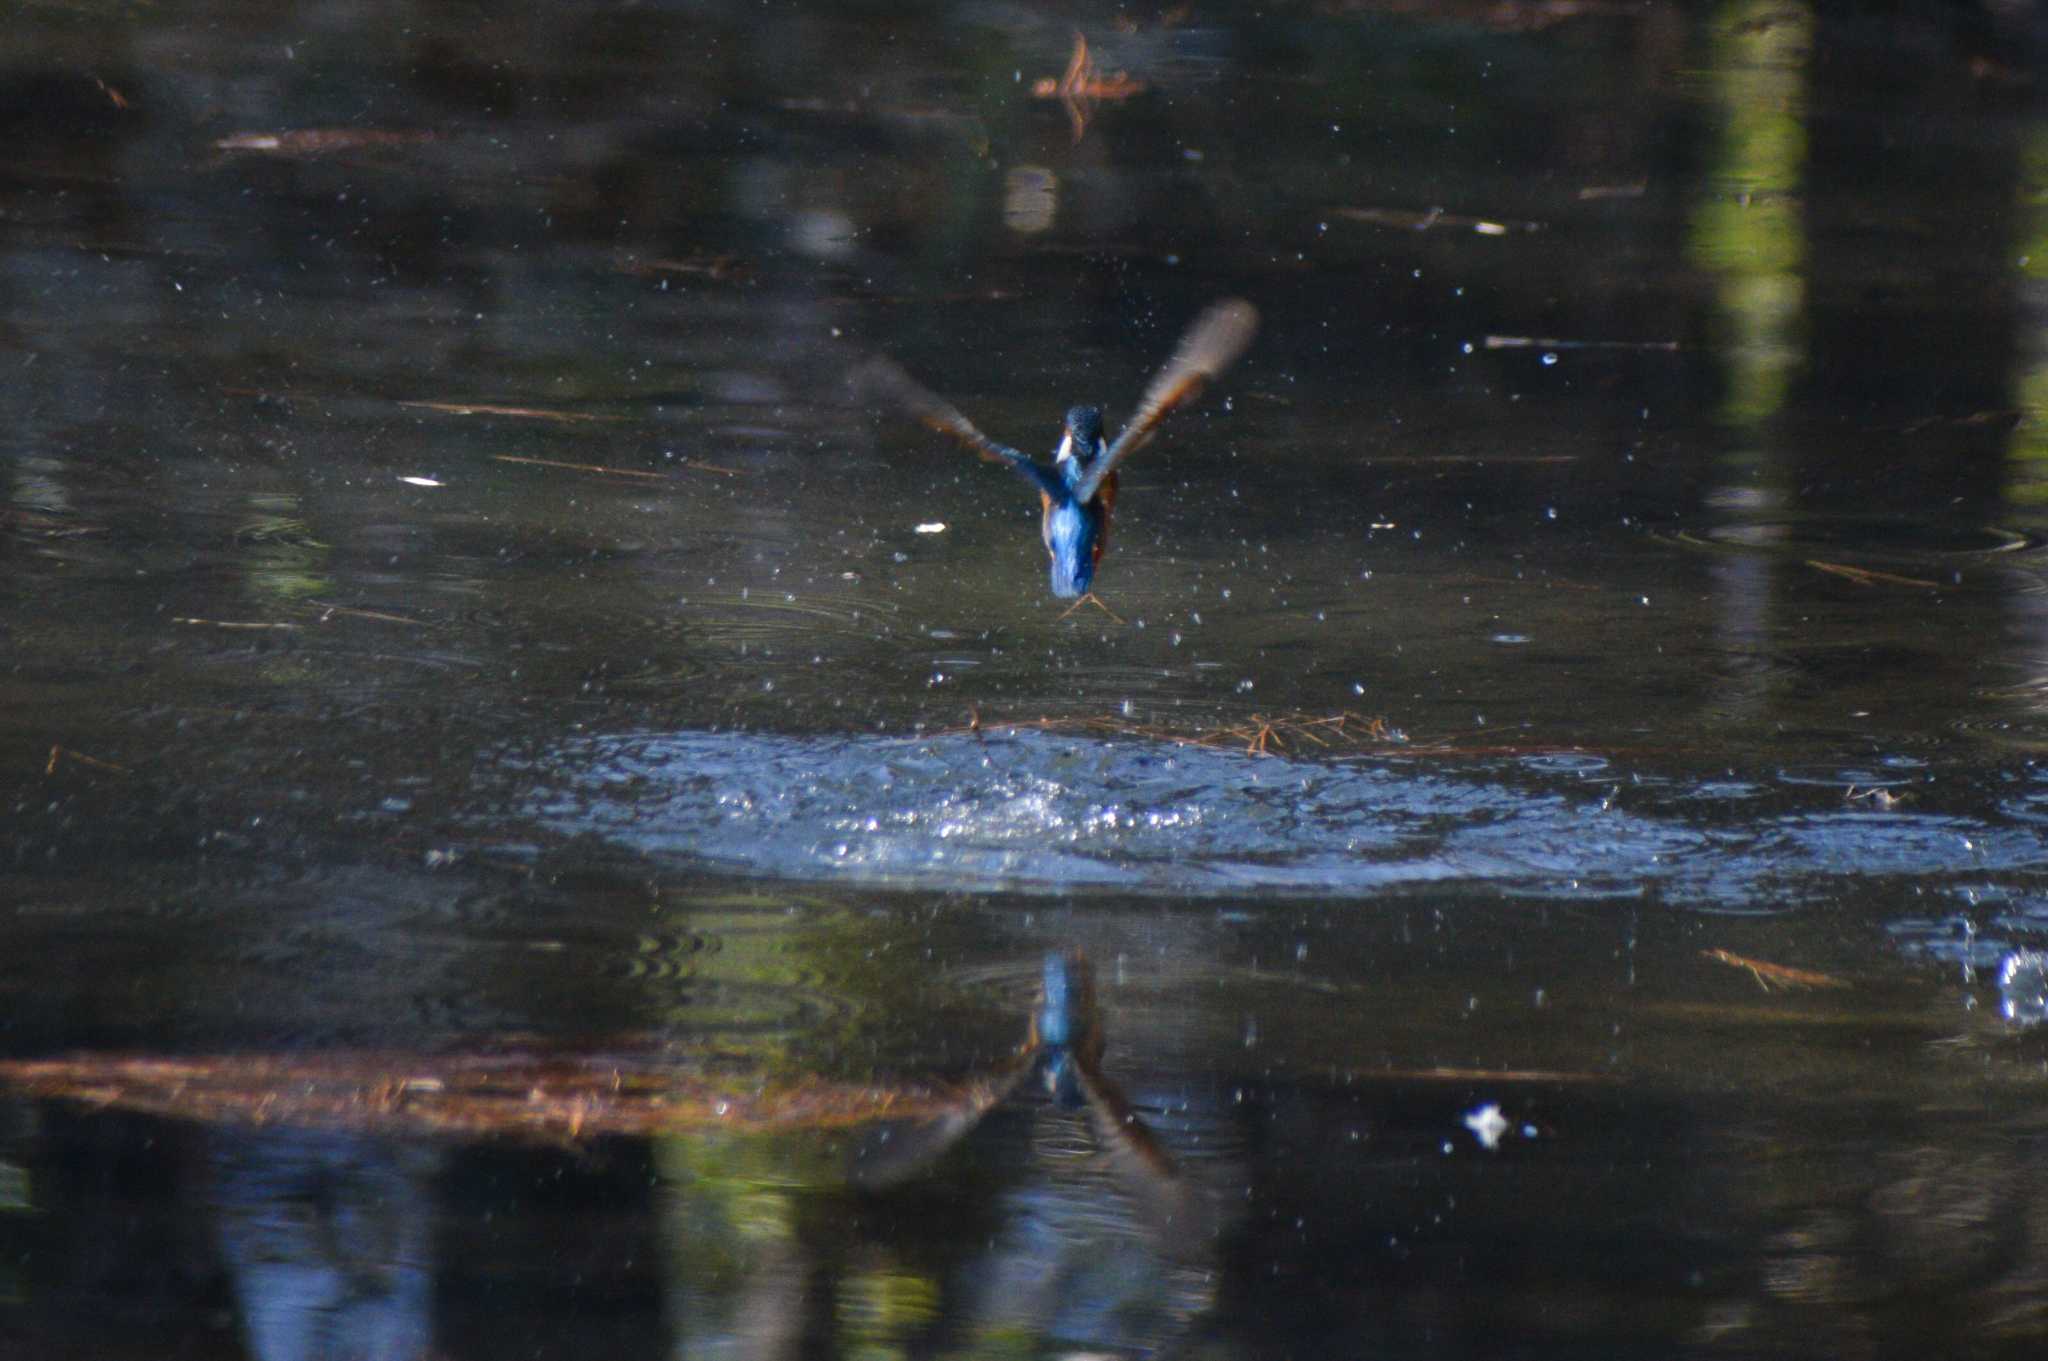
(533, 812)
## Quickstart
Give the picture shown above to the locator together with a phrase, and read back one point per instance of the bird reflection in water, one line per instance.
(1062, 1056)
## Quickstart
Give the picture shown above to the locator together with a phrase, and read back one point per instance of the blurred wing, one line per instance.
(1216, 339)
(884, 381)
(897, 1150)
(1172, 1209)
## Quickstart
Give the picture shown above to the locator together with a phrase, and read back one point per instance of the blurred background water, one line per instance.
(1554, 802)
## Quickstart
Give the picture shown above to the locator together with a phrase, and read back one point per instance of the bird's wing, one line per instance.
(1171, 1207)
(893, 1151)
(1216, 339)
(882, 380)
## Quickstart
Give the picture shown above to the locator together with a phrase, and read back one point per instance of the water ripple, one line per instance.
(1044, 812)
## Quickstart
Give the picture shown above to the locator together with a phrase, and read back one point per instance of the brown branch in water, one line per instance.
(614, 472)
(717, 268)
(1343, 734)
(1864, 576)
(581, 467)
(1260, 736)
(530, 413)
(1767, 974)
(61, 753)
(552, 1097)
(1080, 88)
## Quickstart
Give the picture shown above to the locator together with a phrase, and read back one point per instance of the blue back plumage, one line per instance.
(1070, 536)
(1056, 1025)
(1056, 1009)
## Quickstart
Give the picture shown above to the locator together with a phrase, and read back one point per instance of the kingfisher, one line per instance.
(1062, 1054)
(1077, 490)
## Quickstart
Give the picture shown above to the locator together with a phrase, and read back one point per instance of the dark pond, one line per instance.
(536, 813)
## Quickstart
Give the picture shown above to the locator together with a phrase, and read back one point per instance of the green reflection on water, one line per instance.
(14, 1188)
(1748, 232)
(740, 1263)
(879, 1308)
(2027, 451)
(282, 561)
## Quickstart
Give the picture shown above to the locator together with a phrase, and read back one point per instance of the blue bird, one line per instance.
(1078, 488)
(1062, 1052)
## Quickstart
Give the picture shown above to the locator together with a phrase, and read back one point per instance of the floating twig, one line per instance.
(1260, 736)
(581, 467)
(62, 753)
(1080, 88)
(1489, 1075)
(231, 623)
(1593, 192)
(1766, 974)
(318, 141)
(1434, 217)
(1546, 343)
(1864, 576)
(528, 413)
(615, 472)
(539, 1095)
(328, 611)
(717, 268)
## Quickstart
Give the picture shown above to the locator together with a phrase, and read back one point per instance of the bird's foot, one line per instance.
(1089, 599)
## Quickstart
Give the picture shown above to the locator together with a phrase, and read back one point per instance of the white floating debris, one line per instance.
(2023, 987)
(932, 527)
(1487, 1125)
(421, 481)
